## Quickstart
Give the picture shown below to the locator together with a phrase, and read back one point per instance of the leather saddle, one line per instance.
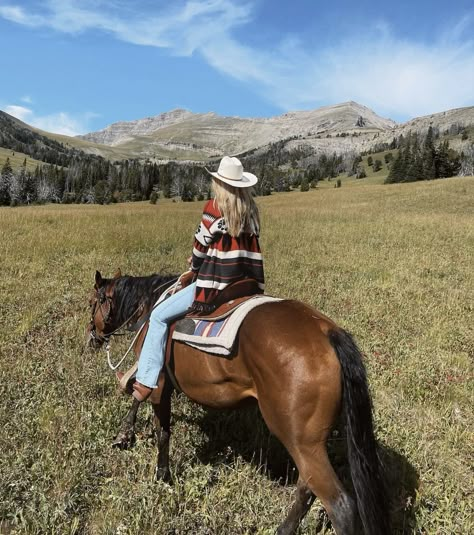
(230, 298)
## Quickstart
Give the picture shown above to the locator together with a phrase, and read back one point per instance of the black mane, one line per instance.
(132, 292)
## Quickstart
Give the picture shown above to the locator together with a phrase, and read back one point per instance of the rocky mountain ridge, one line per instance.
(180, 135)
(341, 128)
(206, 135)
(123, 131)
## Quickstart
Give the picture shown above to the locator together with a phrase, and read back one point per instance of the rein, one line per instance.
(137, 325)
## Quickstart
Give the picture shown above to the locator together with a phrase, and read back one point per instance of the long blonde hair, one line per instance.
(237, 207)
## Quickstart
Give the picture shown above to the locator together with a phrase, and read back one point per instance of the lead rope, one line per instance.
(162, 297)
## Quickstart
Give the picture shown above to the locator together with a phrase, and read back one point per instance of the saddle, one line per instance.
(230, 298)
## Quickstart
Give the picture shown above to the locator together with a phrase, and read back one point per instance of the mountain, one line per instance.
(347, 128)
(124, 131)
(201, 136)
(167, 153)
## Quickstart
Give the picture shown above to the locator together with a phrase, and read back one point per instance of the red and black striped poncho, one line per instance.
(220, 259)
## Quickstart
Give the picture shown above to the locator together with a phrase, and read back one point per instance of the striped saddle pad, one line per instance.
(217, 336)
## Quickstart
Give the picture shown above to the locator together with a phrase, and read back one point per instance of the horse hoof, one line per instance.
(124, 440)
(163, 474)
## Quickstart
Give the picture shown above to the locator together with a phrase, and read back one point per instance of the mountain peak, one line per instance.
(212, 133)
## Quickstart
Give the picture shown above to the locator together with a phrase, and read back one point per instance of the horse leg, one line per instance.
(303, 501)
(162, 412)
(126, 436)
(319, 476)
(304, 435)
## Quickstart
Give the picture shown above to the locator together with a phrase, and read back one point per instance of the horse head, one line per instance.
(103, 321)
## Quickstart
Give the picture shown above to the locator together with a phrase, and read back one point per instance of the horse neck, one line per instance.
(138, 293)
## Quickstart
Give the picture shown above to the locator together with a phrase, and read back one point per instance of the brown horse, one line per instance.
(301, 369)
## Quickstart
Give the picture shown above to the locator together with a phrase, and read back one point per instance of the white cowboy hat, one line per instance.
(232, 172)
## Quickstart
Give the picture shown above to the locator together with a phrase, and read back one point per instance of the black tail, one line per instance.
(365, 467)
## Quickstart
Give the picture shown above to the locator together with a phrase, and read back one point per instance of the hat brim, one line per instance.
(248, 179)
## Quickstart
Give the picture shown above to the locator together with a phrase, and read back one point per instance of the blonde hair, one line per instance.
(237, 207)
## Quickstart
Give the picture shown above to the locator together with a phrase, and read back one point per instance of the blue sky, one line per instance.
(73, 66)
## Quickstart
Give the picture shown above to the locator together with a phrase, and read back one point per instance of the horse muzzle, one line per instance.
(92, 339)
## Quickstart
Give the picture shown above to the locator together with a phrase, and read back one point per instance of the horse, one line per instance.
(302, 370)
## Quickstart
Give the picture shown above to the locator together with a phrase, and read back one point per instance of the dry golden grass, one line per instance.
(17, 159)
(392, 264)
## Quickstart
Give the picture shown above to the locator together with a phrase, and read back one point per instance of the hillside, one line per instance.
(17, 159)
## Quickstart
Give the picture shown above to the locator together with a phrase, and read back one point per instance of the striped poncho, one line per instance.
(220, 259)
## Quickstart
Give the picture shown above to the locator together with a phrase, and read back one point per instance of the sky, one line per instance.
(76, 66)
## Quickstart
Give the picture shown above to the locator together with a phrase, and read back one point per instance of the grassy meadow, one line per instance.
(17, 159)
(392, 264)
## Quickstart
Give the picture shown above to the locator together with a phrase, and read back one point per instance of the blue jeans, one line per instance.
(152, 356)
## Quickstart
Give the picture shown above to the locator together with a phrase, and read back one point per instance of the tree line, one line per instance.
(420, 159)
(92, 180)
(72, 176)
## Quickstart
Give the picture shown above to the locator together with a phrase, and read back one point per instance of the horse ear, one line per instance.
(118, 273)
(98, 278)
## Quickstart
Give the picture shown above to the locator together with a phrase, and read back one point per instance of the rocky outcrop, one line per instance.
(124, 131)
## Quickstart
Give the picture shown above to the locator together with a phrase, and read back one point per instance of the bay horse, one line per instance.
(301, 369)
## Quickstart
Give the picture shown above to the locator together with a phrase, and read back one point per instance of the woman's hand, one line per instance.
(190, 260)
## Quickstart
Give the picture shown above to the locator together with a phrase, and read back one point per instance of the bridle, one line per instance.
(101, 299)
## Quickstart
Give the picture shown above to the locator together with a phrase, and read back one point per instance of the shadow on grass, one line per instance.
(243, 433)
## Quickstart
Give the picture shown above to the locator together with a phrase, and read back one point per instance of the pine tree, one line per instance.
(412, 160)
(6, 178)
(428, 156)
(447, 161)
(187, 193)
(395, 174)
(405, 162)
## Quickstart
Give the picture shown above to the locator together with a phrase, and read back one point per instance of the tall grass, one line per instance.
(393, 265)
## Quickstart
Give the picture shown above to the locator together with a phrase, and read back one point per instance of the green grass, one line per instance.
(17, 159)
(392, 264)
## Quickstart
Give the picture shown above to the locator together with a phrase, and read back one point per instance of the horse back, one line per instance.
(279, 344)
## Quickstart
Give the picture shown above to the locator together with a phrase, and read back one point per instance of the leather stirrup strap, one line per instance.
(127, 376)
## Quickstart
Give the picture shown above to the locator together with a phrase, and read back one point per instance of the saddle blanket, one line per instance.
(217, 336)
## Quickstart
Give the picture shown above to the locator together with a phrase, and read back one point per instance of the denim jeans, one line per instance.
(152, 356)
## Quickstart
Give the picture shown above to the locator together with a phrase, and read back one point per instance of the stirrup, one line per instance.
(126, 378)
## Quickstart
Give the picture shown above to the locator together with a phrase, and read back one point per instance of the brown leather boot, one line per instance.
(141, 392)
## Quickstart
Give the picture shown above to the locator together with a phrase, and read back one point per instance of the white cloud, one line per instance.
(57, 123)
(395, 76)
(20, 112)
(60, 123)
(27, 99)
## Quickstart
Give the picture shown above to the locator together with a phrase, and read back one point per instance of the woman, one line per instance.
(226, 249)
